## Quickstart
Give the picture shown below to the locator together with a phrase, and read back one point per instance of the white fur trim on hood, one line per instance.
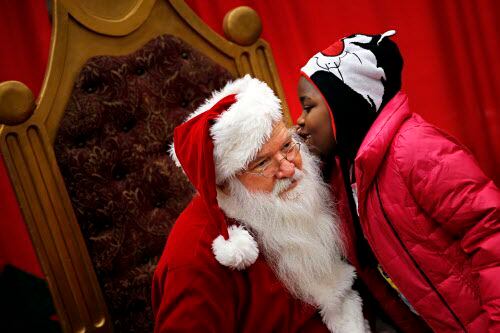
(241, 130)
(237, 252)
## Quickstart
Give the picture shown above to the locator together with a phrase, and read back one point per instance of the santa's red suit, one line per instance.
(193, 292)
(211, 277)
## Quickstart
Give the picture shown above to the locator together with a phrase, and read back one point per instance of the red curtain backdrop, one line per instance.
(24, 48)
(451, 71)
(450, 48)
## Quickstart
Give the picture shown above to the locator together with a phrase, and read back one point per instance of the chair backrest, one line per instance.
(88, 159)
(111, 148)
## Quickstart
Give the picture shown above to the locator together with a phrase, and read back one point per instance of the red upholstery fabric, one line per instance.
(112, 150)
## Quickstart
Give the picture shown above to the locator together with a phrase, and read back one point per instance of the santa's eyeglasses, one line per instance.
(268, 167)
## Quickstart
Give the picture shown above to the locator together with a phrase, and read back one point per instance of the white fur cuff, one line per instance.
(341, 307)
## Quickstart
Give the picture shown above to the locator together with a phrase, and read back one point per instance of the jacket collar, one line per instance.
(377, 141)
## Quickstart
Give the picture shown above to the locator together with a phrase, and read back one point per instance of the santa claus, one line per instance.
(258, 249)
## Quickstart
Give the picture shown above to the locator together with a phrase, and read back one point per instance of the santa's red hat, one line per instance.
(217, 141)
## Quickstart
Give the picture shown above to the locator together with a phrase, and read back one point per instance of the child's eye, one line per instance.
(307, 109)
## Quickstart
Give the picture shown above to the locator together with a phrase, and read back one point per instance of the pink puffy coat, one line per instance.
(431, 217)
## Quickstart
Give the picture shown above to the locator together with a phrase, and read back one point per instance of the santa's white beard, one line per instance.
(298, 234)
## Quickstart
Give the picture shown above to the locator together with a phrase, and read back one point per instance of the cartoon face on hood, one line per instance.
(357, 76)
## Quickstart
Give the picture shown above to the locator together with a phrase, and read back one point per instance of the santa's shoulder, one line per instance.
(190, 241)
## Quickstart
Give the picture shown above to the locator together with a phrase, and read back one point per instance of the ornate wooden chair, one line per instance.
(88, 159)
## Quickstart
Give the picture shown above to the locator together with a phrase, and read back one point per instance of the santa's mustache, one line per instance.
(282, 184)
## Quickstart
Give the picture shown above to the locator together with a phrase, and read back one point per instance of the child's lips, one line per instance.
(305, 136)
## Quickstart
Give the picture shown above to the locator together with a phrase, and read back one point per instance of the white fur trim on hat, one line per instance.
(237, 252)
(241, 130)
(173, 156)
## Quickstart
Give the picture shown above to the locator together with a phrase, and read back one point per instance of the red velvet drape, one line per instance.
(450, 48)
(24, 49)
(451, 70)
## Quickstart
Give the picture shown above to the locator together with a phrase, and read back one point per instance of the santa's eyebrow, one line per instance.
(267, 154)
(257, 160)
(304, 98)
(261, 156)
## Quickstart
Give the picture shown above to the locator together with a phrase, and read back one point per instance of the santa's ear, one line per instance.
(224, 187)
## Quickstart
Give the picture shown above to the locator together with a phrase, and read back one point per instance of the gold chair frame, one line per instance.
(82, 29)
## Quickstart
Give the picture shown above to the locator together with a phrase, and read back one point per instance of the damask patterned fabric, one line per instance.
(112, 151)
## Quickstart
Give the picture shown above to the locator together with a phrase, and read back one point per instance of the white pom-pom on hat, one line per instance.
(237, 252)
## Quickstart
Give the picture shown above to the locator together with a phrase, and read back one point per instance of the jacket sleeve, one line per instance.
(447, 183)
(196, 299)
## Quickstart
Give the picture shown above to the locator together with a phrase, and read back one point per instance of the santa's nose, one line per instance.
(286, 169)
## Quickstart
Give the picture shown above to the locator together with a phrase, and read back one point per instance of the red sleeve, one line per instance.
(447, 183)
(196, 299)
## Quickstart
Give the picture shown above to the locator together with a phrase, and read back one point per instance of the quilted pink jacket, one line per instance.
(431, 217)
